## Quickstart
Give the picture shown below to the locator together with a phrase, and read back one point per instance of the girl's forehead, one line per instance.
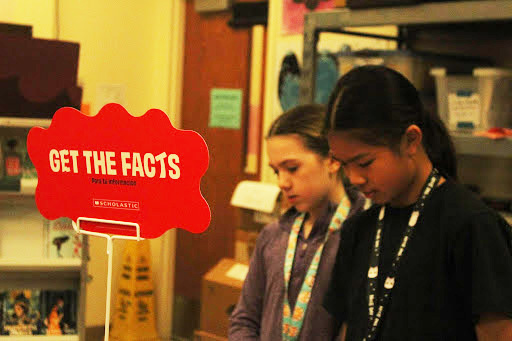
(287, 147)
(288, 142)
(345, 146)
(346, 138)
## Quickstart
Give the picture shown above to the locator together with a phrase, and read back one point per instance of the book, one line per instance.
(20, 312)
(62, 240)
(12, 156)
(28, 170)
(59, 312)
(15, 165)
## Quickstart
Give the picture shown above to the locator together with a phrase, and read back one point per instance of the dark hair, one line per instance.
(306, 121)
(378, 104)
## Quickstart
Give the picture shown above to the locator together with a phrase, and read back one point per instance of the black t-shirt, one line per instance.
(457, 265)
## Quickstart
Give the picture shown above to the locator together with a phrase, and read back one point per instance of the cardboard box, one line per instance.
(200, 335)
(37, 76)
(219, 296)
(245, 242)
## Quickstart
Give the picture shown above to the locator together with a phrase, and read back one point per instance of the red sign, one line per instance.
(115, 166)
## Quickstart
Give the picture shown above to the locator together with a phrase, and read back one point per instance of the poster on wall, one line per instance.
(294, 11)
(329, 67)
(289, 70)
(225, 108)
(138, 171)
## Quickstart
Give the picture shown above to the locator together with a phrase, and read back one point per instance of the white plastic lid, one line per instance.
(438, 71)
(492, 72)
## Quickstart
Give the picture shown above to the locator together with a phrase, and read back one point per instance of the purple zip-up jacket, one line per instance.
(259, 312)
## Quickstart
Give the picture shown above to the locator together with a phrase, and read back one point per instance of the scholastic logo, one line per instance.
(117, 204)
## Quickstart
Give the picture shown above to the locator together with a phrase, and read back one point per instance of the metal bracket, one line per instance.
(110, 247)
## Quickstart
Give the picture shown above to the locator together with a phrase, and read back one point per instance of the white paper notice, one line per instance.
(238, 271)
(464, 109)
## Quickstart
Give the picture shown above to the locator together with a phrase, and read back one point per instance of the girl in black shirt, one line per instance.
(429, 261)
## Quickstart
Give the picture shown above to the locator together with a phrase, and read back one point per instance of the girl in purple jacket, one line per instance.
(292, 262)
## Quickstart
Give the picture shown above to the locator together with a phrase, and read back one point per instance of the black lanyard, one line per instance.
(376, 305)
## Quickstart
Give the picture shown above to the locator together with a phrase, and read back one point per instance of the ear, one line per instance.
(333, 164)
(411, 140)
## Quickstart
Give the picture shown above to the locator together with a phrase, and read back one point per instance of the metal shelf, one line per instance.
(428, 13)
(468, 144)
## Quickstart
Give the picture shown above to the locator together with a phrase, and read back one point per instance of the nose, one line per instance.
(355, 177)
(284, 181)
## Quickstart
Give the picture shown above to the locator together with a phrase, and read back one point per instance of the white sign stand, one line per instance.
(110, 248)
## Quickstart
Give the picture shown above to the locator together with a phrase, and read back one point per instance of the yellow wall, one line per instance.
(39, 14)
(126, 43)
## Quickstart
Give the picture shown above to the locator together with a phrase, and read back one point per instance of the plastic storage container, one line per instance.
(415, 66)
(410, 65)
(495, 89)
(458, 99)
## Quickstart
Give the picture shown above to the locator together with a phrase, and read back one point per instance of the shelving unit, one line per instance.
(41, 338)
(417, 16)
(480, 29)
(23, 253)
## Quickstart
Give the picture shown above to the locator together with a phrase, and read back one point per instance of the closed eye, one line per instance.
(366, 164)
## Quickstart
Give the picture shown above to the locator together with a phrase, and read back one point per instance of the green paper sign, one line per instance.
(225, 108)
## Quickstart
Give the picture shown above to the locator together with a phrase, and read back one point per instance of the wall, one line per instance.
(126, 44)
(122, 43)
(39, 14)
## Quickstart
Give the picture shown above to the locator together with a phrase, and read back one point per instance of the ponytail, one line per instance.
(439, 145)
